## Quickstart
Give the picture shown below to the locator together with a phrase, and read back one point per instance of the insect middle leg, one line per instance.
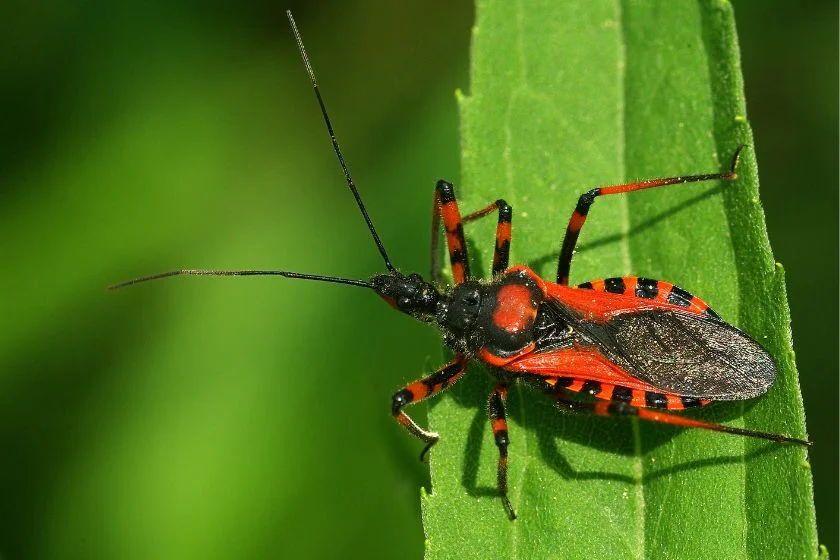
(621, 408)
(424, 388)
(498, 423)
(446, 208)
(586, 199)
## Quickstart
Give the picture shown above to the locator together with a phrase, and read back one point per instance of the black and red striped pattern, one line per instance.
(498, 423)
(446, 209)
(501, 251)
(422, 389)
(640, 398)
(655, 290)
(586, 200)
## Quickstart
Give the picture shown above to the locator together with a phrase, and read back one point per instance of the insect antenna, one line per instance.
(284, 273)
(347, 177)
(350, 184)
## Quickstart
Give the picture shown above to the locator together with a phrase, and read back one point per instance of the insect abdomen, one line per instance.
(635, 397)
(655, 290)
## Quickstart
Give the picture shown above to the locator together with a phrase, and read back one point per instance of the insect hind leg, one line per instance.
(585, 201)
(621, 408)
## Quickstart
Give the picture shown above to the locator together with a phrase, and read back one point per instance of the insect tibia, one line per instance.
(665, 418)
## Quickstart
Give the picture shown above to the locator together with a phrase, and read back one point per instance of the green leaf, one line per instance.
(570, 95)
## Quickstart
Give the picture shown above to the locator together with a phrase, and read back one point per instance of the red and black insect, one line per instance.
(640, 347)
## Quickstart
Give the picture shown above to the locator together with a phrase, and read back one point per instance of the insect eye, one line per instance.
(403, 302)
(471, 299)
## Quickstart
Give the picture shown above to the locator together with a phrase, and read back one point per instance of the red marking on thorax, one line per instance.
(515, 308)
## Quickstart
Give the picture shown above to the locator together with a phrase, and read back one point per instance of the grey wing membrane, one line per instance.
(687, 354)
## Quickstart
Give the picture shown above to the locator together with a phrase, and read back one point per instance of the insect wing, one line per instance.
(686, 354)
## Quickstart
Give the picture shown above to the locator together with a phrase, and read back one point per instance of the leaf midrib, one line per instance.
(638, 463)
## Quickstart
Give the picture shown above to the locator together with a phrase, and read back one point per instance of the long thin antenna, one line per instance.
(350, 184)
(193, 272)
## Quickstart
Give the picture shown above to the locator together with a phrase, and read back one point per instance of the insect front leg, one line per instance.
(586, 199)
(501, 252)
(498, 422)
(424, 388)
(446, 208)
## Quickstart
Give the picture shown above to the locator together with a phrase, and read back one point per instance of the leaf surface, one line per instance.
(570, 95)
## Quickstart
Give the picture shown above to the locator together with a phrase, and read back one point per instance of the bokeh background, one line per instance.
(248, 418)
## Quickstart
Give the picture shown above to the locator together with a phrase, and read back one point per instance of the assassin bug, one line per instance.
(640, 347)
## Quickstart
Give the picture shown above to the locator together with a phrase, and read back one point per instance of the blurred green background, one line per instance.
(237, 418)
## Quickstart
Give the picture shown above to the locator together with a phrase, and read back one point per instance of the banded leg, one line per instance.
(586, 199)
(620, 408)
(419, 390)
(446, 207)
(496, 412)
(501, 252)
